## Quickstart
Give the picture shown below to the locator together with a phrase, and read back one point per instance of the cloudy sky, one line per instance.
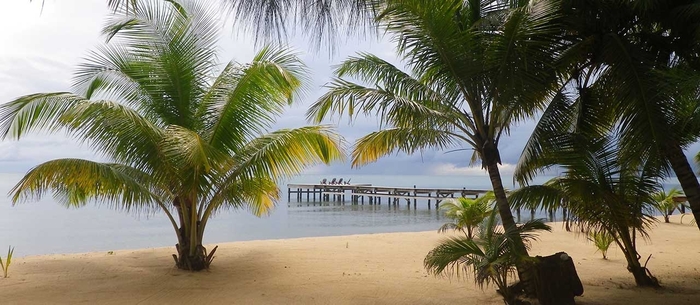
(39, 50)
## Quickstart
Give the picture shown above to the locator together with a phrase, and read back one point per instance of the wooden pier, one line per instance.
(374, 194)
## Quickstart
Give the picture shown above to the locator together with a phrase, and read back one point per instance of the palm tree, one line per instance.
(635, 69)
(665, 202)
(602, 192)
(466, 213)
(178, 137)
(475, 70)
(491, 257)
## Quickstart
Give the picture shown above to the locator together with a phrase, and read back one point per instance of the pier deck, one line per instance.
(358, 191)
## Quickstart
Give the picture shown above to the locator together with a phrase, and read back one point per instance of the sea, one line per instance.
(46, 227)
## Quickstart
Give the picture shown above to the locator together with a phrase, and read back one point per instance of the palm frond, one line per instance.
(377, 144)
(172, 51)
(288, 151)
(490, 258)
(452, 256)
(246, 100)
(321, 20)
(41, 111)
(74, 182)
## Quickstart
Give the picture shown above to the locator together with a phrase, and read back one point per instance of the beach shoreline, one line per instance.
(382, 268)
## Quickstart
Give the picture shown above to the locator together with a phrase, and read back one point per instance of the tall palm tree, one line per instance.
(635, 69)
(180, 137)
(476, 70)
(466, 213)
(490, 256)
(665, 202)
(603, 193)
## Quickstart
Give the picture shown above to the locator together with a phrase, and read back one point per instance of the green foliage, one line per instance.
(632, 82)
(602, 192)
(182, 134)
(8, 260)
(321, 21)
(466, 213)
(473, 70)
(665, 202)
(490, 258)
(602, 241)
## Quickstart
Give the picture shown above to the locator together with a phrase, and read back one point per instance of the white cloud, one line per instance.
(455, 170)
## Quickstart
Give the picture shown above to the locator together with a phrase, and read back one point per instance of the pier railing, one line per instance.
(374, 194)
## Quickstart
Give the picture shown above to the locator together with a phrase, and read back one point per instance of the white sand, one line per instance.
(357, 269)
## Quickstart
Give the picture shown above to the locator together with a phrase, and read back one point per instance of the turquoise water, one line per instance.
(46, 227)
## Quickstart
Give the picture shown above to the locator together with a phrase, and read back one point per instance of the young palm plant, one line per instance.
(665, 202)
(178, 137)
(602, 241)
(466, 213)
(8, 260)
(602, 192)
(491, 256)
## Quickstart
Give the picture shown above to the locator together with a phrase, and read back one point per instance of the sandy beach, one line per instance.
(355, 269)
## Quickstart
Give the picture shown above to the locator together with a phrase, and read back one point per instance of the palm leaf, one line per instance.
(74, 182)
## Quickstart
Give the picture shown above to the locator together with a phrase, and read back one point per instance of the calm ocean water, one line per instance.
(46, 227)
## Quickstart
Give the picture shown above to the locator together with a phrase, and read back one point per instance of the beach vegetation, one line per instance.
(625, 76)
(8, 260)
(466, 214)
(602, 193)
(181, 133)
(490, 258)
(473, 71)
(602, 241)
(666, 203)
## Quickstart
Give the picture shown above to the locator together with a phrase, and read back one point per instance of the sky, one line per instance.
(39, 49)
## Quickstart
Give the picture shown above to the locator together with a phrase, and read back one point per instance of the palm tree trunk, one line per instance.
(641, 278)
(503, 206)
(190, 257)
(686, 177)
(525, 271)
